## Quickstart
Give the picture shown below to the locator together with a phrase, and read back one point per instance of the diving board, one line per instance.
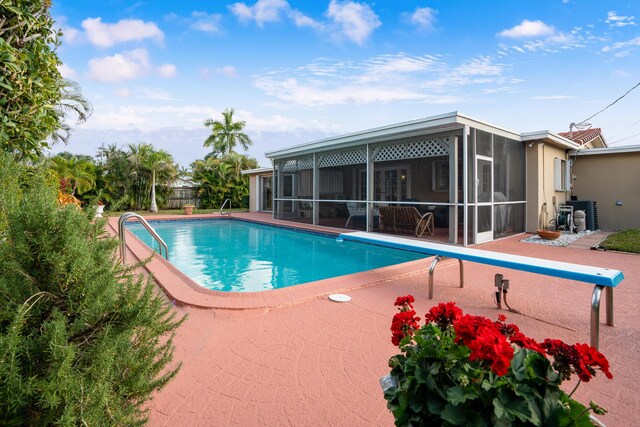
(602, 278)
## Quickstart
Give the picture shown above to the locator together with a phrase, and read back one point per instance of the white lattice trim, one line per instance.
(342, 158)
(433, 147)
(297, 164)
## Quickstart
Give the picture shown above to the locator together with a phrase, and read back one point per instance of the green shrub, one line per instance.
(83, 341)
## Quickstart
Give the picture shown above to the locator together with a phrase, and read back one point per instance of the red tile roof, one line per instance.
(584, 136)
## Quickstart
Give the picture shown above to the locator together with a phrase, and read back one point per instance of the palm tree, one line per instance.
(72, 101)
(226, 134)
(80, 173)
(146, 166)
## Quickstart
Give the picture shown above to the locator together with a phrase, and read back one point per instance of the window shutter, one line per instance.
(557, 166)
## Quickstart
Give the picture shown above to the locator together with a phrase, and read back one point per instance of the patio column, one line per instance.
(453, 190)
(316, 191)
(465, 186)
(369, 196)
(275, 181)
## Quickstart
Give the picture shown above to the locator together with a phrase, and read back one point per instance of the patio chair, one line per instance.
(406, 219)
(358, 212)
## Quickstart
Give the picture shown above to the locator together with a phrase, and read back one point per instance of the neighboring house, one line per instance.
(590, 138)
(260, 189)
(610, 176)
(481, 181)
(184, 193)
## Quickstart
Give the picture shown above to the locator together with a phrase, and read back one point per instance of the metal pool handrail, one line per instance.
(223, 205)
(121, 231)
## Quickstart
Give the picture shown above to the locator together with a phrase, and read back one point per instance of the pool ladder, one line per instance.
(122, 235)
(223, 205)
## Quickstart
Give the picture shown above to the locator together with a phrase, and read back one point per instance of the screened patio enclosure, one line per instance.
(469, 175)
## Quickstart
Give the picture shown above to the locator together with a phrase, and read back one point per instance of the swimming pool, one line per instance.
(239, 256)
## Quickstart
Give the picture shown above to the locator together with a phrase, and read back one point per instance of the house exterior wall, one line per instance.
(541, 192)
(253, 193)
(607, 178)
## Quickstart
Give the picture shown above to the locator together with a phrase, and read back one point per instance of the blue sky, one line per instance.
(297, 71)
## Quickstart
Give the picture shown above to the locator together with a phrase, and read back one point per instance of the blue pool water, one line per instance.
(237, 256)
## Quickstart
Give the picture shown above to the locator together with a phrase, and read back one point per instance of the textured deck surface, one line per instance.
(299, 359)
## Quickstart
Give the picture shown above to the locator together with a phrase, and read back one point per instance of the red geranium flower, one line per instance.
(405, 300)
(403, 324)
(443, 314)
(589, 358)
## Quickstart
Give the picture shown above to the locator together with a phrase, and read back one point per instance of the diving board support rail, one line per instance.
(432, 268)
(601, 278)
(595, 311)
(223, 205)
(122, 235)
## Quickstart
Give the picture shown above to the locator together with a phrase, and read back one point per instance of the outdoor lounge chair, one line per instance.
(358, 212)
(406, 219)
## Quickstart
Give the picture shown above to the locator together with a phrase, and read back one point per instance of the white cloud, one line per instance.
(482, 66)
(528, 29)
(123, 92)
(262, 11)
(423, 17)
(382, 79)
(350, 19)
(228, 71)
(615, 20)
(356, 21)
(626, 45)
(128, 65)
(67, 72)
(71, 35)
(106, 35)
(208, 23)
(167, 70)
(302, 20)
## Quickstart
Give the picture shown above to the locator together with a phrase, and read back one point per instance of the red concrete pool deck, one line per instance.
(296, 358)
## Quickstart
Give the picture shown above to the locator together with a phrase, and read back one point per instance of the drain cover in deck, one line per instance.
(339, 298)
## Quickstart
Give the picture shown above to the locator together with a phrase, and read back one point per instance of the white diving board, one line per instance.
(602, 278)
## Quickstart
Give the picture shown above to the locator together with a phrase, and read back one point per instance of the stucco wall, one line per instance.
(253, 193)
(541, 184)
(607, 178)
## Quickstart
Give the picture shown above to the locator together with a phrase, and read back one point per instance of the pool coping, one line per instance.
(182, 290)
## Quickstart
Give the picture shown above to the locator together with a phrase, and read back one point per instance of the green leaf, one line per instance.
(508, 405)
(457, 395)
(454, 415)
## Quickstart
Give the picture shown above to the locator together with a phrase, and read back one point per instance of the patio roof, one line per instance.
(425, 126)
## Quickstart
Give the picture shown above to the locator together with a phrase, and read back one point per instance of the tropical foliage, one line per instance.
(73, 103)
(83, 341)
(221, 178)
(226, 134)
(76, 174)
(30, 83)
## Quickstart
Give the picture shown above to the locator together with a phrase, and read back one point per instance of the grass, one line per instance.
(171, 212)
(624, 241)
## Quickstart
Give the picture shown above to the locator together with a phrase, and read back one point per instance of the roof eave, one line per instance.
(256, 171)
(448, 121)
(550, 137)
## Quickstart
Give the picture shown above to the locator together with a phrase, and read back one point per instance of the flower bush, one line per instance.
(460, 369)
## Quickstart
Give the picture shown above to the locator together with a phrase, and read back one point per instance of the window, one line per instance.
(561, 170)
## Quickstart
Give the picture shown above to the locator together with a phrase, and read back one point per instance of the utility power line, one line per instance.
(625, 94)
